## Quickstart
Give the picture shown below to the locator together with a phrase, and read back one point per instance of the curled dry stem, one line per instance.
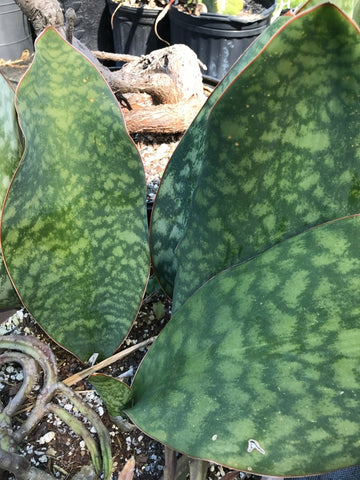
(21, 468)
(30, 353)
(40, 352)
(198, 469)
(30, 379)
(15, 464)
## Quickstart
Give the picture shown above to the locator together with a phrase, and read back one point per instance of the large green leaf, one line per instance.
(280, 151)
(171, 210)
(74, 227)
(257, 370)
(271, 354)
(10, 153)
(350, 7)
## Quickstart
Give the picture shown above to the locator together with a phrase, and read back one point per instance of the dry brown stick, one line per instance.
(77, 377)
(115, 57)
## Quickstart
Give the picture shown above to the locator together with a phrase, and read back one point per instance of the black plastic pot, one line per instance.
(15, 32)
(133, 29)
(218, 40)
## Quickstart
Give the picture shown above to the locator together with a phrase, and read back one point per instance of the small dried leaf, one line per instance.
(127, 472)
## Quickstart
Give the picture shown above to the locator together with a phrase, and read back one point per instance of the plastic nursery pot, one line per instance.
(15, 33)
(218, 40)
(133, 29)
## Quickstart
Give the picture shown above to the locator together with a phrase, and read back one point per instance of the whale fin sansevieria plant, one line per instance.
(74, 222)
(254, 234)
(74, 237)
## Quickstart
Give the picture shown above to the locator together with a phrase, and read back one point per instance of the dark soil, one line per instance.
(52, 446)
(65, 453)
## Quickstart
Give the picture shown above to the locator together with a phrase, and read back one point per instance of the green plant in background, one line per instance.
(227, 7)
(254, 235)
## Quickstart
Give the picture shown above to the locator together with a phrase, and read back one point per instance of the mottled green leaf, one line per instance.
(180, 178)
(74, 226)
(350, 7)
(269, 361)
(257, 369)
(152, 286)
(272, 157)
(10, 153)
(115, 393)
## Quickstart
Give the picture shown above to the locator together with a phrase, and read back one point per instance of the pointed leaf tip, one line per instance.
(115, 393)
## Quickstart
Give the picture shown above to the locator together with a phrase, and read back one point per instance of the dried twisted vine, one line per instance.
(35, 357)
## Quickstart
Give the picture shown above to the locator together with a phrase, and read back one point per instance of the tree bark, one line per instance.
(170, 75)
(170, 118)
(43, 13)
(179, 63)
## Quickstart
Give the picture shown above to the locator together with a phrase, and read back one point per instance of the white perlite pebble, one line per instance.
(15, 319)
(46, 438)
